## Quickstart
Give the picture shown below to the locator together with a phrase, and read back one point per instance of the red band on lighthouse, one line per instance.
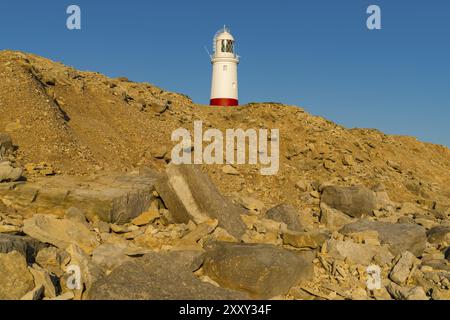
(225, 102)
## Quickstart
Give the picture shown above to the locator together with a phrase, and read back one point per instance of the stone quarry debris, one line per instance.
(89, 185)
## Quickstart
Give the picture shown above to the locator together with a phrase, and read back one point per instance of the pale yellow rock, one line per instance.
(347, 160)
(9, 229)
(249, 220)
(426, 223)
(267, 225)
(267, 238)
(42, 278)
(201, 230)
(228, 169)
(221, 234)
(146, 218)
(60, 232)
(123, 228)
(365, 237)
(252, 204)
(311, 240)
(149, 241)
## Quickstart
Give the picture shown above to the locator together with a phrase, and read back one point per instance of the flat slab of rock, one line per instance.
(354, 201)
(400, 237)
(261, 270)
(358, 253)
(160, 276)
(189, 194)
(60, 232)
(113, 198)
(312, 239)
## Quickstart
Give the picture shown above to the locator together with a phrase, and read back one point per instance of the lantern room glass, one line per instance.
(227, 46)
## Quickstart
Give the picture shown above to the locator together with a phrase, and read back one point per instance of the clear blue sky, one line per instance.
(316, 54)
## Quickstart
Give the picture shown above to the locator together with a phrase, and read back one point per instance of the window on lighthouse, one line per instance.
(227, 46)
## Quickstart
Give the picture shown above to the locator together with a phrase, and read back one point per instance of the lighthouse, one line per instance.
(224, 84)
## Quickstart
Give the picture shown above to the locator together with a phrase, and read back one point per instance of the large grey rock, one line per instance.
(27, 246)
(262, 270)
(114, 198)
(60, 232)
(400, 237)
(15, 279)
(354, 201)
(189, 194)
(160, 276)
(287, 214)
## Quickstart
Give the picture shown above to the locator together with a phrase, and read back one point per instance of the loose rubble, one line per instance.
(91, 206)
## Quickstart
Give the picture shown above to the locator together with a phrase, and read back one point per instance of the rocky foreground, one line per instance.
(92, 208)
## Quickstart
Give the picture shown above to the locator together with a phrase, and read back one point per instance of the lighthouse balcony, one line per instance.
(231, 58)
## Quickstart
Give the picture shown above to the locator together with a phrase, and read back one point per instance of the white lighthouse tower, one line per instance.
(224, 86)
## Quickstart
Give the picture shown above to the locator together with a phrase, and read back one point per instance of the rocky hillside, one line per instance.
(85, 180)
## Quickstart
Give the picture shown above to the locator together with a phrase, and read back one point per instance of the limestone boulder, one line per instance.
(261, 270)
(189, 194)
